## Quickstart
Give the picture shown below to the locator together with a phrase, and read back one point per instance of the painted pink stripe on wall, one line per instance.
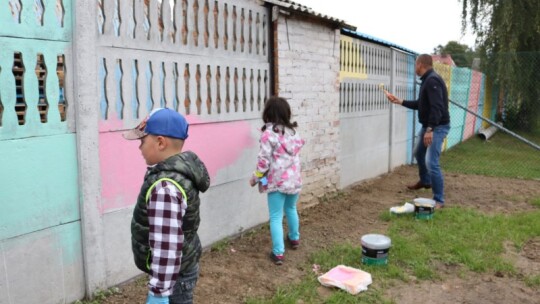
(474, 95)
(219, 145)
(122, 170)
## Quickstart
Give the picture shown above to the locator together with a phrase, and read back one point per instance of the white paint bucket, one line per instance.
(424, 208)
(375, 249)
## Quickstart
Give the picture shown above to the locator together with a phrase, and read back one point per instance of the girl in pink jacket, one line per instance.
(278, 173)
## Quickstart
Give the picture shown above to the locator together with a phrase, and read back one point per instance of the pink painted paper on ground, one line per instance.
(347, 278)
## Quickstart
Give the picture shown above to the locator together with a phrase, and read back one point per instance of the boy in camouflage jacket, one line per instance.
(166, 217)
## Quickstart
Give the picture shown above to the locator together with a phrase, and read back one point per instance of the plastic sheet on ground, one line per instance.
(347, 278)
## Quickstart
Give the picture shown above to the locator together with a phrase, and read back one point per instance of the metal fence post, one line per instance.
(392, 108)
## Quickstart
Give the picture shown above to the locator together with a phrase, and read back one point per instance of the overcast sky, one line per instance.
(419, 25)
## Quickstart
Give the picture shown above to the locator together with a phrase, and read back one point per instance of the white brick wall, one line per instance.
(308, 70)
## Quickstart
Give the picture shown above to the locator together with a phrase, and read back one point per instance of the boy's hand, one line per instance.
(151, 299)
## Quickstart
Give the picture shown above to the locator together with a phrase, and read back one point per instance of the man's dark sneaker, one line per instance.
(418, 185)
(276, 258)
(294, 243)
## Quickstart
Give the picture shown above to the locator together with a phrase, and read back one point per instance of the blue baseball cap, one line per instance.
(161, 122)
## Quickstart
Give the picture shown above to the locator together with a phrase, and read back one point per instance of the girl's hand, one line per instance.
(253, 181)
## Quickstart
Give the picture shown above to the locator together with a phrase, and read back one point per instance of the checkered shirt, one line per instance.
(166, 208)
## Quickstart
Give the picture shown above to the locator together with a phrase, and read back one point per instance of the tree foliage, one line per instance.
(508, 39)
(462, 54)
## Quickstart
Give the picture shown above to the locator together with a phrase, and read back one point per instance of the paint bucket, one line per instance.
(375, 248)
(424, 208)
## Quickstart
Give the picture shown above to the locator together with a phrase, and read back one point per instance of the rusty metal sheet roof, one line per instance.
(374, 39)
(297, 7)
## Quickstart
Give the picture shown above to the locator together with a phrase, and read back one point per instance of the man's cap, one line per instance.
(161, 122)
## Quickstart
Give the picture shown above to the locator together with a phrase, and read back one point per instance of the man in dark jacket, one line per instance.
(432, 106)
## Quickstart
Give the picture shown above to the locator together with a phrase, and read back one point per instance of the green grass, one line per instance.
(502, 156)
(533, 281)
(221, 245)
(460, 237)
(464, 238)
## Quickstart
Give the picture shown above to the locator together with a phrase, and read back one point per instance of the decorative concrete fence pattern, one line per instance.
(213, 57)
(40, 231)
(375, 136)
(209, 60)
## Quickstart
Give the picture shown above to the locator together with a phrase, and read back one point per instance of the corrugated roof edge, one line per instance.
(375, 40)
(296, 7)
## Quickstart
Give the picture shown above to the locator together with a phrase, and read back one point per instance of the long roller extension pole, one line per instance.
(530, 143)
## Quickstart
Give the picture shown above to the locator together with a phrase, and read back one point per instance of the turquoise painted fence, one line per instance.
(459, 93)
(39, 184)
(38, 169)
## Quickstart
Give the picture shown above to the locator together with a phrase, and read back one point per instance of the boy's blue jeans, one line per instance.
(429, 168)
(184, 287)
(277, 202)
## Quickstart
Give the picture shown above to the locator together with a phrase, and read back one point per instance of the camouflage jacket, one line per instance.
(191, 174)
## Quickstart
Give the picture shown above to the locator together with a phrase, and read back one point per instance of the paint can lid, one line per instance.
(424, 202)
(376, 241)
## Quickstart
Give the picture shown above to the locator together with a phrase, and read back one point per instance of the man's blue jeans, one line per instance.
(429, 168)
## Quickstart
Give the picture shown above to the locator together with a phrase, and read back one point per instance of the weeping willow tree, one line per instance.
(508, 39)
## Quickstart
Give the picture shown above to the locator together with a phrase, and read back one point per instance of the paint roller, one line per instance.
(381, 86)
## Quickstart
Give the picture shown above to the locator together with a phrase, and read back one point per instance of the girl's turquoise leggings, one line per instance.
(277, 203)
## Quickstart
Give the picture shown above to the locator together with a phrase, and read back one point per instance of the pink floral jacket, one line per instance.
(279, 160)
